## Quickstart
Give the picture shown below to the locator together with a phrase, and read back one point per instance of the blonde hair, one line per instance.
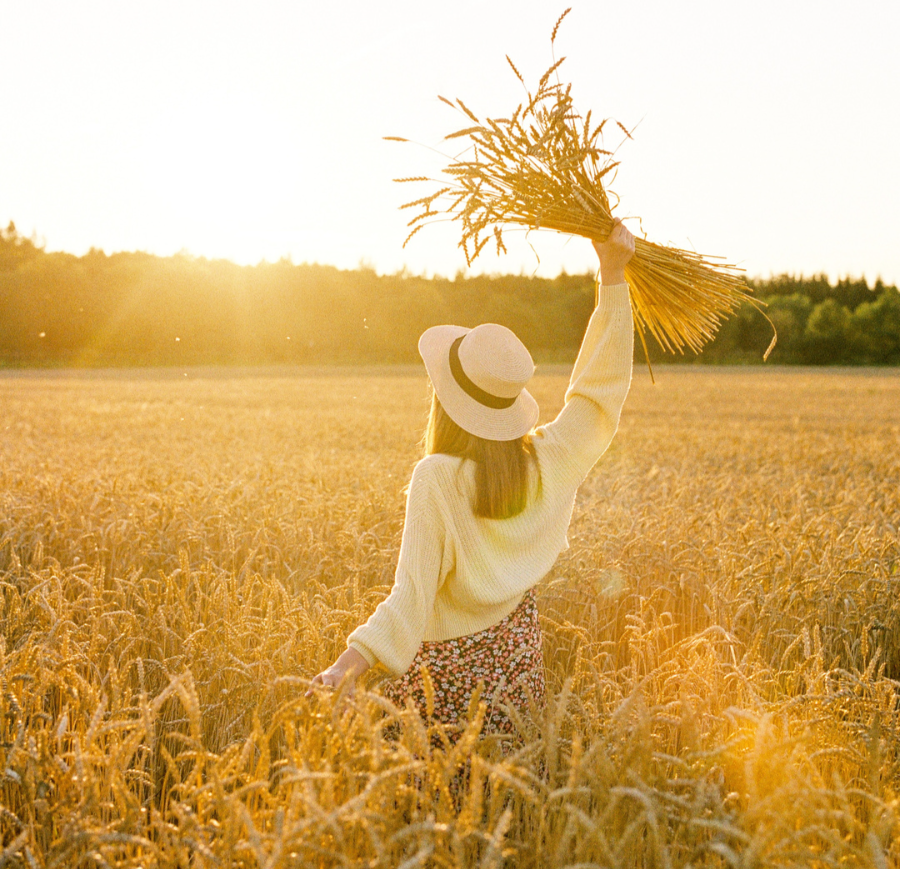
(501, 467)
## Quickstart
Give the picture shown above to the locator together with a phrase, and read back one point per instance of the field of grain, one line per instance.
(180, 551)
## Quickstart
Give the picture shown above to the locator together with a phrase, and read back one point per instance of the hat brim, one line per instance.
(506, 424)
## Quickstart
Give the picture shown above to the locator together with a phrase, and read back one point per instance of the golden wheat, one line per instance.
(179, 555)
(544, 167)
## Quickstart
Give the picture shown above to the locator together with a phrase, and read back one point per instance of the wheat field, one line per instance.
(181, 551)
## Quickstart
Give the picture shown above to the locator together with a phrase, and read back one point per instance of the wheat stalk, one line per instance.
(544, 167)
(723, 682)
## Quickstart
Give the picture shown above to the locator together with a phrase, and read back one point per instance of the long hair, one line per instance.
(502, 468)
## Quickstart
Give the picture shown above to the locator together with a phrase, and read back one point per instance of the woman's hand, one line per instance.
(350, 665)
(614, 254)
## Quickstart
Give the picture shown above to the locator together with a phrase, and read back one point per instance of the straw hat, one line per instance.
(479, 376)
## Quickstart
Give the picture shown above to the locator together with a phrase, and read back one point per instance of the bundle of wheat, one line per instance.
(544, 168)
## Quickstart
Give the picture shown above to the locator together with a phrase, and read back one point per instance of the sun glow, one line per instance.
(258, 135)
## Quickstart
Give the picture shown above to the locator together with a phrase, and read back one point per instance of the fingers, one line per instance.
(621, 235)
(620, 241)
(322, 680)
(617, 222)
(619, 238)
(327, 679)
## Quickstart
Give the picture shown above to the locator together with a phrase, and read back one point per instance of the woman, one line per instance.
(488, 509)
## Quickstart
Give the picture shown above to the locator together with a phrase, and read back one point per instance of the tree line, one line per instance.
(135, 309)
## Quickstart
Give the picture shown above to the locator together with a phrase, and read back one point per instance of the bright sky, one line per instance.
(767, 132)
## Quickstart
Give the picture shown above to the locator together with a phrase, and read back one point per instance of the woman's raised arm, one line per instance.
(602, 373)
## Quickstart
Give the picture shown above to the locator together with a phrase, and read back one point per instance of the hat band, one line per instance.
(470, 389)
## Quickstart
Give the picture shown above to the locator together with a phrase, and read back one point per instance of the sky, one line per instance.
(766, 133)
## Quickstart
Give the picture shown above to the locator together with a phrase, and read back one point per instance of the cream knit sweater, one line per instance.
(458, 573)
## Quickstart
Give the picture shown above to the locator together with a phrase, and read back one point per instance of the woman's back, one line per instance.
(458, 573)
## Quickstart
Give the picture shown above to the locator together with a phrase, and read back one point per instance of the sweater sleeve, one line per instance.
(599, 383)
(394, 632)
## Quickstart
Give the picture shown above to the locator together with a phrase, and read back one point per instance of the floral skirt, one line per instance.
(505, 659)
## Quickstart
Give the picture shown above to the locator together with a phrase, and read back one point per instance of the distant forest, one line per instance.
(136, 309)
